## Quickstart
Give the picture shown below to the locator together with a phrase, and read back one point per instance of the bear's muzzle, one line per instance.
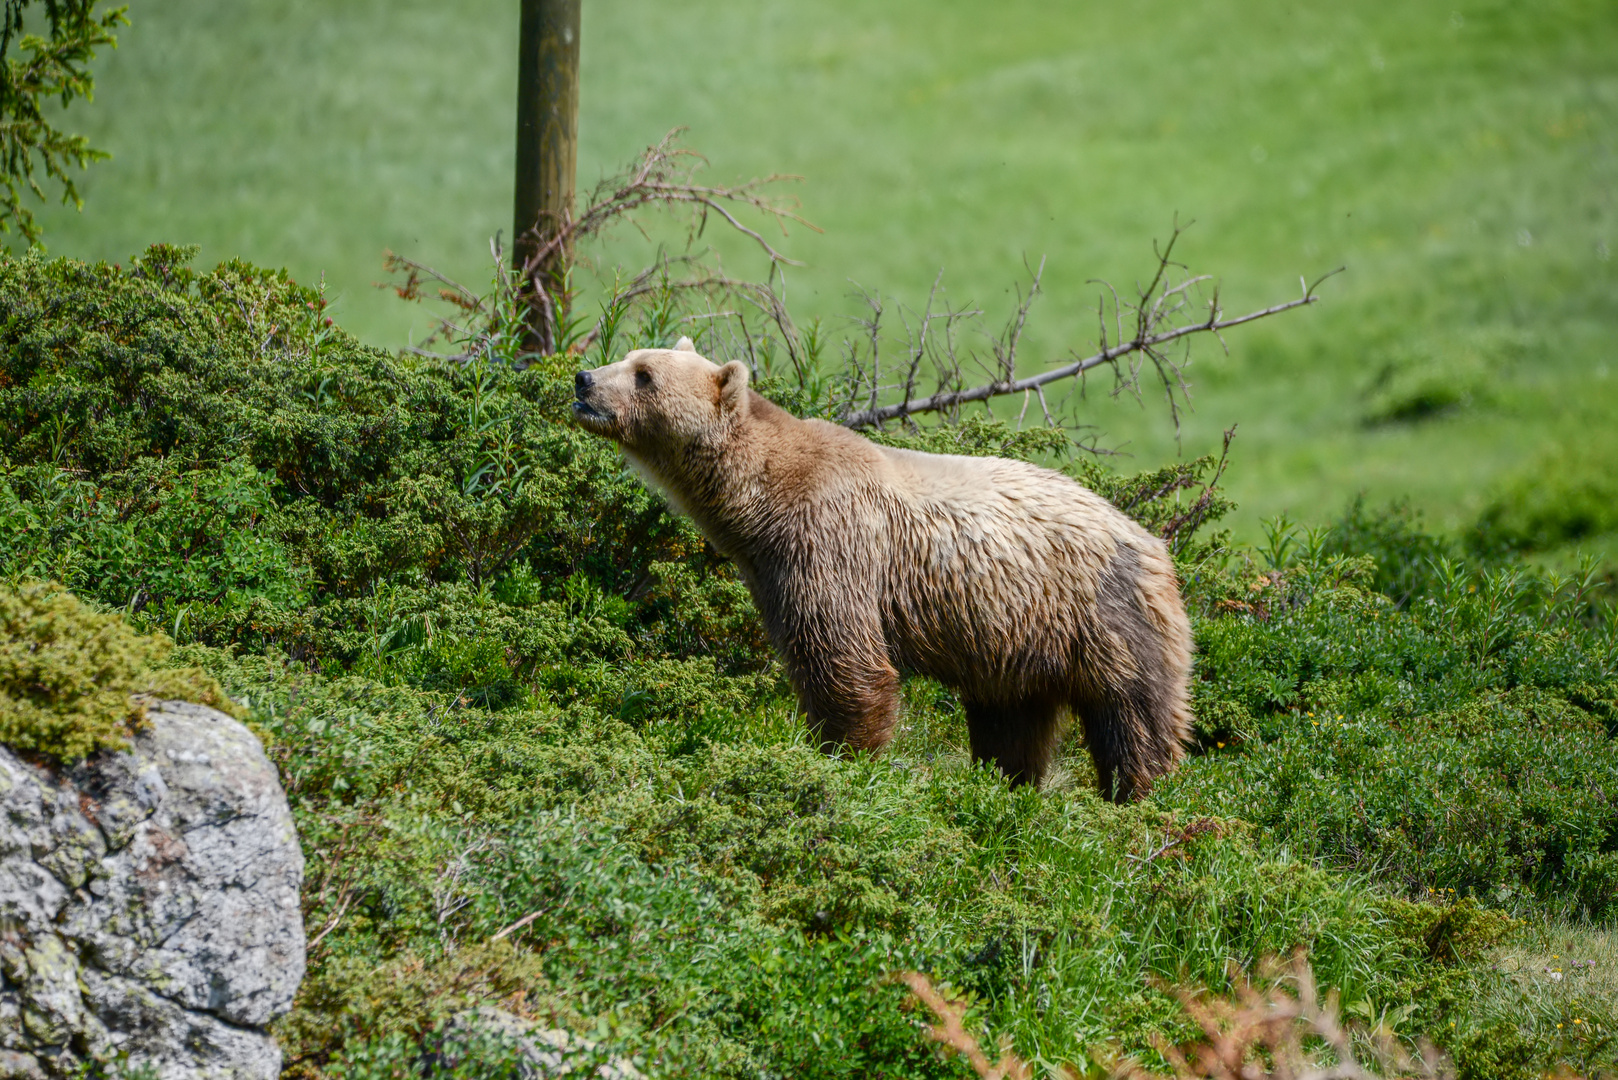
(590, 417)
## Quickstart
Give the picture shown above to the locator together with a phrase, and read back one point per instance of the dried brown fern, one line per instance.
(1276, 1029)
(950, 1033)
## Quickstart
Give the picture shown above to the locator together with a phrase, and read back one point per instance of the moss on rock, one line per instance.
(73, 680)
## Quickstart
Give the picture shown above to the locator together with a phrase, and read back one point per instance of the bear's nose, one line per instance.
(582, 382)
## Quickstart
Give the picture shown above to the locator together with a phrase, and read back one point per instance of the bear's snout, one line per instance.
(593, 417)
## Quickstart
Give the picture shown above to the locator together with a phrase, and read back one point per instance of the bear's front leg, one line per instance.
(851, 697)
(819, 620)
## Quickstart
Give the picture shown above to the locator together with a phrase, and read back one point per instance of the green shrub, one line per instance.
(1567, 495)
(1406, 554)
(1458, 744)
(727, 909)
(206, 451)
(73, 681)
(1425, 380)
(1424, 391)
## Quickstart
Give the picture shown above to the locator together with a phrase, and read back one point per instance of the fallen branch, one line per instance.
(1169, 844)
(518, 925)
(934, 372)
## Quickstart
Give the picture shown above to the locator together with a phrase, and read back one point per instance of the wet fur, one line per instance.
(1029, 595)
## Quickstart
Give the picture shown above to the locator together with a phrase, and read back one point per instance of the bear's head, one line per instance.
(658, 400)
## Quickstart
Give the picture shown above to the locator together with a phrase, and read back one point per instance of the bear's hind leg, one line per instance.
(1131, 690)
(1133, 739)
(1020, 738)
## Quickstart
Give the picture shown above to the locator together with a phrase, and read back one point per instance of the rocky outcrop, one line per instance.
(149, 905)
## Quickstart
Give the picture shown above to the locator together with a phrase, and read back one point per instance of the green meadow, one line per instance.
(1460, 160)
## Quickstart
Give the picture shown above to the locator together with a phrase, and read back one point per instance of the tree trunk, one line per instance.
(547, 155)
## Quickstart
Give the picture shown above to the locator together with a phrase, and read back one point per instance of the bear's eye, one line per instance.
(643, 378)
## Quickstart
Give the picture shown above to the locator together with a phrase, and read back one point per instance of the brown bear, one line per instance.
(1027, 594)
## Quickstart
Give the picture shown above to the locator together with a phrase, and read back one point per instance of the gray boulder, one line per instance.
(149, 905)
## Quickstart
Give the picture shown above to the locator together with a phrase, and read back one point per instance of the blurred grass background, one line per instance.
(1460, 159)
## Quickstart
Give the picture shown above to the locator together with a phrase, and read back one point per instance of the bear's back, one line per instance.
(994, 569)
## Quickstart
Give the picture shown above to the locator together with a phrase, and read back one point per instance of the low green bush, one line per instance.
(733, 911)
(1463, 743)
(1407, 556)
(208, 453)
(1568, 494)
(663, 885)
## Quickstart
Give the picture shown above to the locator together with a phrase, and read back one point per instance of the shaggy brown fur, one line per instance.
(1029, 595)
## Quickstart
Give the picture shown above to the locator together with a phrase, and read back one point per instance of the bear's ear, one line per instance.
(685, 344)
(733, 388)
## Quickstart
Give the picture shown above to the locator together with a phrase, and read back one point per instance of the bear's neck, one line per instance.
(735, 488)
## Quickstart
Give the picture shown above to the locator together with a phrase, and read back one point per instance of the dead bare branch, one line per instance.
(1169, 843)
(933, 372)
(518, 925)
(1158, 305)
(663, 177)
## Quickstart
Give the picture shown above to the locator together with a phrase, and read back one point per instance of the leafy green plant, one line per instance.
(1406, 553)
(1565, 496)
(56, 65)
(236, 505)
(1456, 744)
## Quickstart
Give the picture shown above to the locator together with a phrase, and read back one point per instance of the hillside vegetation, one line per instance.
(1458, 157)
(540, 756)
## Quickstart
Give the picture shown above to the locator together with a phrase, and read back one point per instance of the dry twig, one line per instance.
(518, 925)
(1187, 521)
(664, 176)
(331, 923)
